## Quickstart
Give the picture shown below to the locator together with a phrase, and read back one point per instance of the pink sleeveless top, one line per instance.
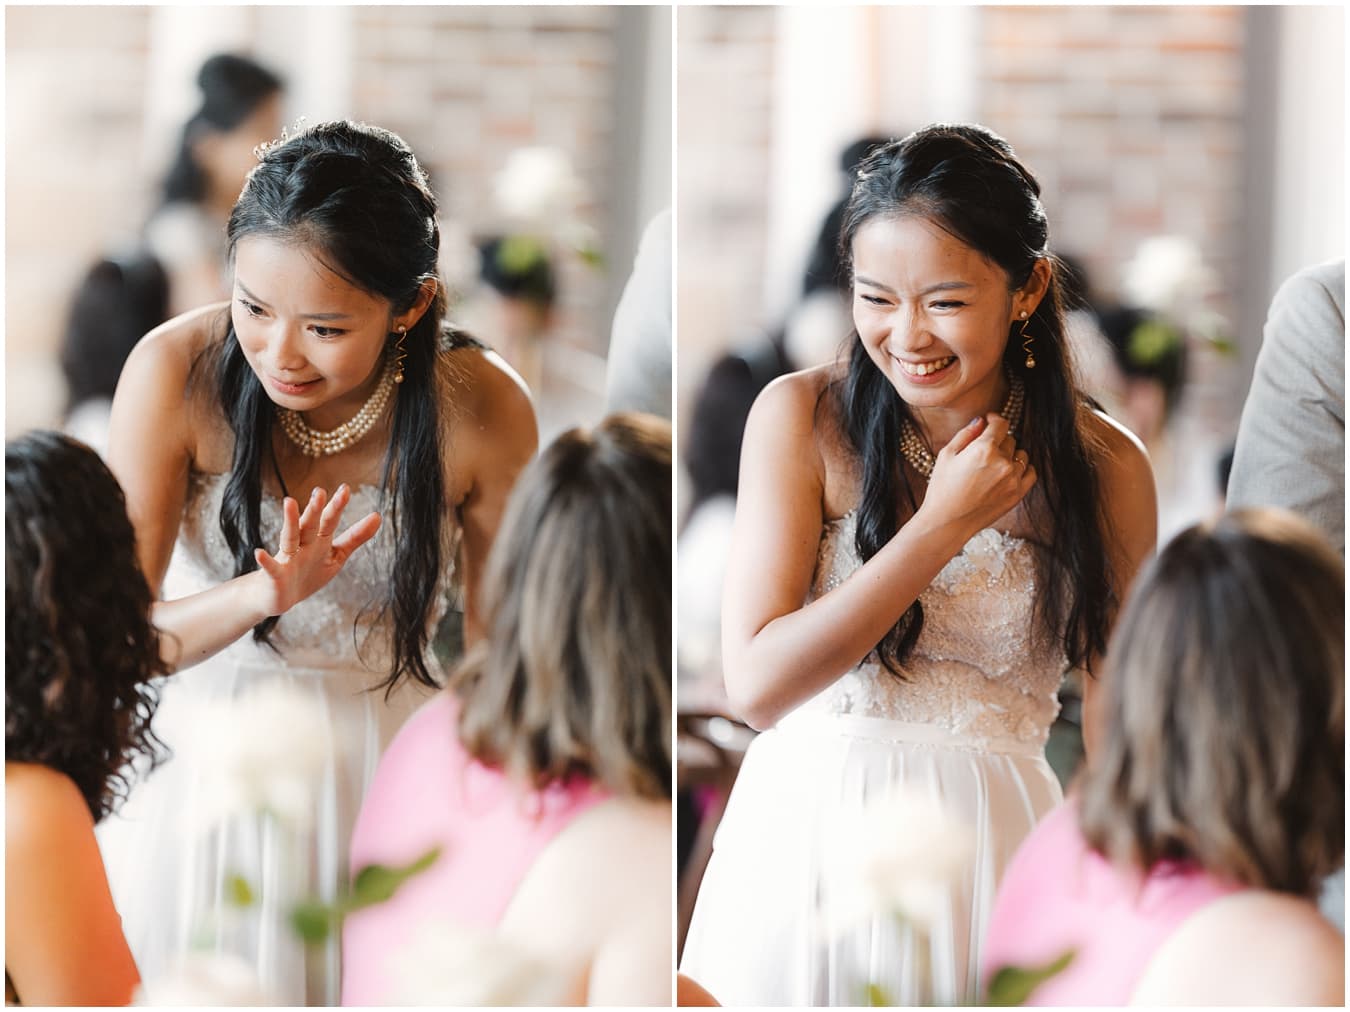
(428, 791)
(1059, 894)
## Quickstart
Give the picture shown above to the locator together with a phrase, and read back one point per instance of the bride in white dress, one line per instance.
(331, 369)
(925, 541)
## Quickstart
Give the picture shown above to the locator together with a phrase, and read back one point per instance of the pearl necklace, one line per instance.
(313, 443)
(916, 451)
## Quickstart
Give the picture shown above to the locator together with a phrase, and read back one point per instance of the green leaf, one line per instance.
(591, 256)
(876, 997)
(1013, 985)
(238, 892)
(313, 922)
(377, 883)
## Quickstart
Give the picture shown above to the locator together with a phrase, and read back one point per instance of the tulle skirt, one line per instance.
(186, 880)
(760, 934)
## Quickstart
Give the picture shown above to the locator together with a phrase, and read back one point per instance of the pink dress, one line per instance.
(428, 791)
(1058, 894)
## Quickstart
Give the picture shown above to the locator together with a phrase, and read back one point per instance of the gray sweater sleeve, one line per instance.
(1291, 440)
(638, 373)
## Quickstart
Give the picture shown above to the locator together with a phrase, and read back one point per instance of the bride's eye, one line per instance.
(251, 308)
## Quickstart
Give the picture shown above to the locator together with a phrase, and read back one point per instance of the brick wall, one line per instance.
(725, 67)
(1131, 117)
(74, 86)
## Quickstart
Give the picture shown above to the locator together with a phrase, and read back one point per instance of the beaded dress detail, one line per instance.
(967, 728)
(983, 666)
(169, 875)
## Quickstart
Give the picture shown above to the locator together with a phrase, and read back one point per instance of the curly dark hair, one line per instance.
(79, 644)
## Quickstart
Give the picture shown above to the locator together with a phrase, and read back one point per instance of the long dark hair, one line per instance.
(79, 645)
(232, 86)
(967, 181)
(1225, 712)
(356, 195)
(573, 677)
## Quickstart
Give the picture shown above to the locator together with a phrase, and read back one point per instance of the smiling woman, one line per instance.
(330, 379)
(925, 540)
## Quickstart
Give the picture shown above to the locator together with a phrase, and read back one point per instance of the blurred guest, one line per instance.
(543, 774)
(637, 375)
(1183, 871)
(79, 651)
(119, 301)
(521, 291)
(240, 109)
(180, 263)
(1291, 440)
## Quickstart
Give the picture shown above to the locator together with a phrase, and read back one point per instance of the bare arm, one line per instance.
(777, 652)
(63, 936)
(1131, 516)
(150, 451)
(496, 442)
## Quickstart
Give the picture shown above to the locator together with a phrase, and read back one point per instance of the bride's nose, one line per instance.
(284, 349)
(909, 331)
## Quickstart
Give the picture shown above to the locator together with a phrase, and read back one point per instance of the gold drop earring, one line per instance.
(1026, 343)
(400, 353)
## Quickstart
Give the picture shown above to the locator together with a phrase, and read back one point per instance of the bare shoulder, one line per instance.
(43, 807)
(1120, 454)
(794, 401)
(1255, 946)
(175, 345)
(485, 392)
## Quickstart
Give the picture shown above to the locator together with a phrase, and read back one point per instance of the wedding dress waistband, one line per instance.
(852, 725)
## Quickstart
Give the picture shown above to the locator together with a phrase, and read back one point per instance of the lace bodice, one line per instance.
(983, 665)
(334, 628)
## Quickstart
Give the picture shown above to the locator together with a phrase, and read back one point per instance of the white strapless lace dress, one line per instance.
(968, 728)
(170, 877)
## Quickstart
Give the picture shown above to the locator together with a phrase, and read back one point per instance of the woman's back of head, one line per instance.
(574, 678)
(79, 645)
(1226, 712)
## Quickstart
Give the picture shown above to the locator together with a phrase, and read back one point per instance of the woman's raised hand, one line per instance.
(309, 553)
(978, 476)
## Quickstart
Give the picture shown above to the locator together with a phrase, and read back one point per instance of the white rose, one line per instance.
(204, 979)
(900, 854)
(538, 188)
(265, 750)
(452, 965)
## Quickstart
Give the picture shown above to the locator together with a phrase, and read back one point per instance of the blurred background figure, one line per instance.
(241, 108)
(641, 341)
(520, 283)
(547, 124)
(178, 262)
